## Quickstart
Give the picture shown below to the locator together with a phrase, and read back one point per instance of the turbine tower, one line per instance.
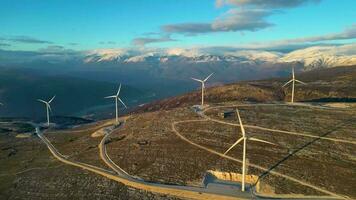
(202, 87)
(244, 138)
(117, 98)
(293, 80)
(48, 107)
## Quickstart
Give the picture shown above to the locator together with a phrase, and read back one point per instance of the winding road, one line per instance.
(209, 193)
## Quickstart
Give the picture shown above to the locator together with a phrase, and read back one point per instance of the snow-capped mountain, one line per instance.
(323, 56)
(312, 57)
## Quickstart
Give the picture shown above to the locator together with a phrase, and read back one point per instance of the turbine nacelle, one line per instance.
(203, 81)
(47, 103)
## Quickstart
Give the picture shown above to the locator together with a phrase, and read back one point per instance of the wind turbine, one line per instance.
(293, 80)
(202, 87)
(244, 138)
(48, 107)
(117, 98)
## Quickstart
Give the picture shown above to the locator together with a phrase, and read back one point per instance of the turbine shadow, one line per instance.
(335, 127)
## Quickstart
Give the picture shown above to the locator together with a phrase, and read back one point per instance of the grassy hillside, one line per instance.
(332, 84)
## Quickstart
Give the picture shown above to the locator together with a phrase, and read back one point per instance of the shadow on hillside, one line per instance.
(333, 100)
(334, 128)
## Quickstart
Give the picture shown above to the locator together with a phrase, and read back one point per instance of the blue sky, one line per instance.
(89, 24)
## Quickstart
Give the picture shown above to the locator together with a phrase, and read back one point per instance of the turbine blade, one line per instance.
(208, 77)
(122, 102)
(109, 97)
(118, 91)
(300, 82)
(241, 125)
(197, 80)
(262, 141)
(232, 146)
(49, 107)
(52, 99)
(287, 83)
(40, 100)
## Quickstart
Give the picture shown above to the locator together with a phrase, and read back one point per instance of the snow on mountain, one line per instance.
(323, 56)
(257, 55)
(190, 53)
(101, 55)
(312, 57)
(143, 58)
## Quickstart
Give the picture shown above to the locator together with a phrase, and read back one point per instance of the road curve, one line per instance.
(174, 190)
(105, 157)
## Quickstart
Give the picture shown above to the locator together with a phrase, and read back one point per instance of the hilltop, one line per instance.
(323, 85)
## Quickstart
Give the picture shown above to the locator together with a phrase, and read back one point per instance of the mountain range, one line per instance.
(310, 58)
(148, 74)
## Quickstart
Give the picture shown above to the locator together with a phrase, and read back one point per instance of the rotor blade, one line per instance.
(240, 121)
(287, 83)
(197, 80)
(52, 99)
(122, 102)
(232, 146)
(263, 141)
(49, 107)
(108, 97)
(300, 82)
(40, 100)
(208, 77)
(118, 92)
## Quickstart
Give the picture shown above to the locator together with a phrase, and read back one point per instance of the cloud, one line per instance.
(232, 20)
(188, 28)
(264, 3)
(73, 43)
(107, 42)
(26, 39)
(242, 15)
(347, 34)
(242, 20)
(142, 41)
(4, 44)
(52, 49)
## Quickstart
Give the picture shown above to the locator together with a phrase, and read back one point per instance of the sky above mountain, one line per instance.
(32, 25)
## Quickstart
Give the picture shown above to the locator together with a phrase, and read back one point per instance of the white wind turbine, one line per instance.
(202, 87)
(117, 98)
(293, 80)
(48, 107)
(244, 138)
